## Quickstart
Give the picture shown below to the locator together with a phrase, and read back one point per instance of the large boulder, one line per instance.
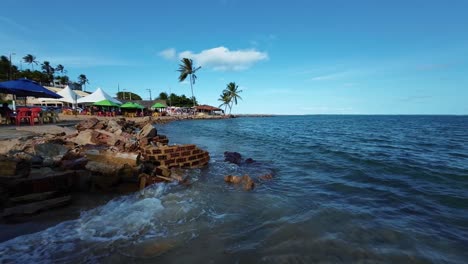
(51, 152)
(148, 131)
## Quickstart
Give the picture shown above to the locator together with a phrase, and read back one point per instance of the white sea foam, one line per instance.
(154, 212)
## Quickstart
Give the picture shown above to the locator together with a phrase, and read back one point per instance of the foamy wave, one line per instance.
(154, 212)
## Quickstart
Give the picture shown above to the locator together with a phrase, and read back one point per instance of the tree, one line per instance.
(82, 80)
(128, 96)
(163, 96)
(30, 59)
(63, 79)
(4, 68)
(226, 100)
(49, 71)
(233, 93)
(60, 69)
(186, 69)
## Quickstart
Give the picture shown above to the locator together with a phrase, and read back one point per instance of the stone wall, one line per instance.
(182, 156)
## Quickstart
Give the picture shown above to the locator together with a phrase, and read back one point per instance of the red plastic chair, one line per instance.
(36, 114)
(23, 114)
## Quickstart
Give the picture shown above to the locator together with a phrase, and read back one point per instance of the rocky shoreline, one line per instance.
(40, 169)
(50, 173)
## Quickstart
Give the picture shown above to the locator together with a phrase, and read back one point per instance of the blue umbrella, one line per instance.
(25, 87)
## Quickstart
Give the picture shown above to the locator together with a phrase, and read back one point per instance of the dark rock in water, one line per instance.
(233, 157)
(249, 161)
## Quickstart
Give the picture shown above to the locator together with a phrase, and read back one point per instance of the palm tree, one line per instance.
(233, 93)
(224, 97)
(60, 69)
(82, 80)
(186, 69)
(30, 59)
(48, 70)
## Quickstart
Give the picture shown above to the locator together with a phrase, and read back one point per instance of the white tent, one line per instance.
(68, 95)
(97, 96)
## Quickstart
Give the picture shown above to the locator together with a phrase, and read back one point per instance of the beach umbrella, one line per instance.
(132, 105)
(158, 105)
(106, 103)
(25, 87)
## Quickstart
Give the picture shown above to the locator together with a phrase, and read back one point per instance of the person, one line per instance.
(6, 112)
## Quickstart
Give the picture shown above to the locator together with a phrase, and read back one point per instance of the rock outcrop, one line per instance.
(101, 156)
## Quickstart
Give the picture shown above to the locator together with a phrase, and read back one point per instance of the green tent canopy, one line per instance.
(158, 105)
(132, 105)
(106, 103)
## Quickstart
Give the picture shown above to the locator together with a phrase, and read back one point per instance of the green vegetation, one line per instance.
(229, 96)
(177, 100)
(186, 69)
(46, 76)
(128, 96)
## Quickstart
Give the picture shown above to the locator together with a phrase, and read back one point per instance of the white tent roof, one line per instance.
(68, 95)
(97, 96)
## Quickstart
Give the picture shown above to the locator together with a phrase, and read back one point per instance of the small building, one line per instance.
(208, 109)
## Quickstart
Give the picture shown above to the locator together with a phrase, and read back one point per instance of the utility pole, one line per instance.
(11, 66)
(149, 90)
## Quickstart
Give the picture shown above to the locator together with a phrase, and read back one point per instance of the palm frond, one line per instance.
(183, 76)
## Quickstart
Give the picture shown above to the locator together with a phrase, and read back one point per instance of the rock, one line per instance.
(143, 180)
(74, 164)
(33, 197)
(249, 184)
(101, 125)
(35, 207)
(128, 173)
(83, 138)
(14, 168)
(233, 179)
(246, 181)
(266, 177)
(87, 124)
(82, 181)
(51, 153)
(148, 131)
(113, 126)
(233, 157)
(249, 161)
(103, 168)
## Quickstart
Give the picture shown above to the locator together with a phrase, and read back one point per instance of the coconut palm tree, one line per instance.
(186, 69)
(82, 80)
(48, 70)
(60, 69)
(226, 101)
(233, 93)
(30, 59)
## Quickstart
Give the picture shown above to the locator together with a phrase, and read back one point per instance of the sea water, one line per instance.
(345, 189)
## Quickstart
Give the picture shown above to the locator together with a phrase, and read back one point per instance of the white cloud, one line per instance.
(328, 77)
(168, 54)
(223, 59)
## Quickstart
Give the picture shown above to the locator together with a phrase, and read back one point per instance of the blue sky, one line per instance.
(288, 57)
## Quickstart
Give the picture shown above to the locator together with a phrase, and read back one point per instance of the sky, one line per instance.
(287, 57)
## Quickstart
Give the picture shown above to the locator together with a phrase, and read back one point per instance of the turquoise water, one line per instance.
(373, 189)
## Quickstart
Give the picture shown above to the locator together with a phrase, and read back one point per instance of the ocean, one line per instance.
(344, 189)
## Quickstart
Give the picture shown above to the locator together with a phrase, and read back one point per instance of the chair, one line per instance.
(36, 114)
(24, 114)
